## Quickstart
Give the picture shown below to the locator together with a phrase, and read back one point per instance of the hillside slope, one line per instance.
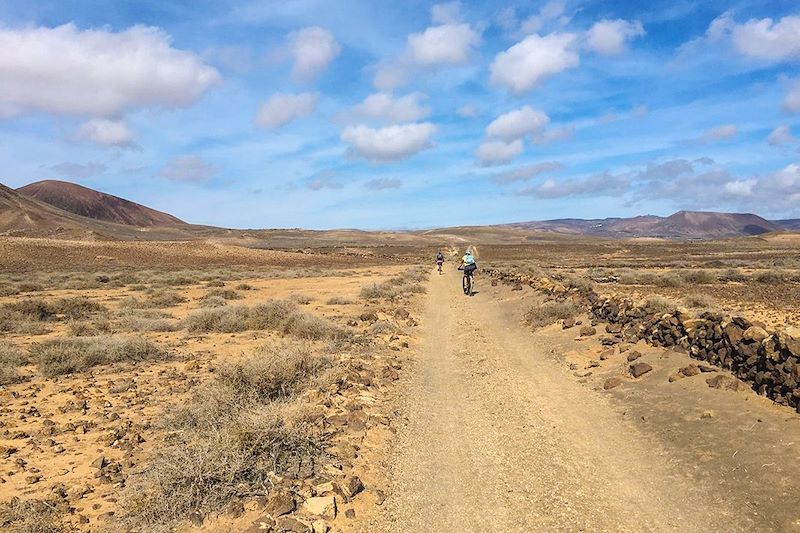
(89, 203)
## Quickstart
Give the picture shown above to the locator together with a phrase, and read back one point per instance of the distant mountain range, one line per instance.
(66, 210)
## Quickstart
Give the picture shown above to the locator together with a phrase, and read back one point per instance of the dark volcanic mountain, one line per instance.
(97, 205)
(681, 225)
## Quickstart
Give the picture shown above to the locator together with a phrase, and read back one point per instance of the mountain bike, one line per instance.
(466, 282)
(439, 265)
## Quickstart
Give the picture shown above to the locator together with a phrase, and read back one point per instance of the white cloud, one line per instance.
(517, 123)
(780, 135)
(96, 73)
(527, 172)
(391, 143)
(189, 169)
(554, 134)
(448, 44)
(384, 106)
(608, 37)
(280, 109)
(524, 65)
(596, 185)
(552, 10)
(498, 152)
(720, 133)
(446, 13)
(468, 111)
(381, 184)
(791, 102)
(740, 187)
(768, 40)
(327, 179)
(313, 49)
(106, 133)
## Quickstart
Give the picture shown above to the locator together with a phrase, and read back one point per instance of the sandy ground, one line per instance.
(502, 436)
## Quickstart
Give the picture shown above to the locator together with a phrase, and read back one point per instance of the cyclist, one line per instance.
(468, 263)
(439, 261)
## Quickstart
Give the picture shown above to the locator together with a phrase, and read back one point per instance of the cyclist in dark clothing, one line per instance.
(440, 261)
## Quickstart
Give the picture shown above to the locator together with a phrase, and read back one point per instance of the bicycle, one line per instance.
(466, 282)
(439, 266)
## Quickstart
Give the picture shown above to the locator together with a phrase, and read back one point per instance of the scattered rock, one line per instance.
(353, 486)
(324, 506)
(707, 414)
(755, 333)
(587, 331)
(721, 381)
(280, 504)
(633, 356)
(640, 369)
(369, 316)
(689, 371)
(263, 523)
(401, 313)
(612, 383)
(235, 508)
(568, 323)
(517, 287)
(350, 513)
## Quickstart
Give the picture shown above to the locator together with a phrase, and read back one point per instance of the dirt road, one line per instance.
(500, 437)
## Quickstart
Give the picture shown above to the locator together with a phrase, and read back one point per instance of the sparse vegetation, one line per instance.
(700, 301)
(659, 305)
(32, 516)
(770, 277)
(224, 294)
(338, 300)
(301, 299)
(549, 312)
(68, 355)
(11, 358)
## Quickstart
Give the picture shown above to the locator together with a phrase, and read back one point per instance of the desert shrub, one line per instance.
(229, 439)
(244, 287)
(77, 307)
(215, 283)
(76, 354)
(11, 358)
(668, 279)
(220, 319)
(549, 312)
(377, 291)
(699, 301)
(699, 277)
(771, 277)
(338, 300)
(212, 301)
(32, 309)
(582, 285)
(301, 299)
(382, 327)
(225, 294)
(136, 323)
(32, 516)
(733, 274)
(8, 290)
(138, 288)
(28, 286)
(86, 328)
(659, 305)
(164, 298)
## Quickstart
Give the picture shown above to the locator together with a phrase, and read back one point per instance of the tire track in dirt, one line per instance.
(500, 438)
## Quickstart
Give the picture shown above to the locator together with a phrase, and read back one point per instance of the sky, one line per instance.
(399, 115)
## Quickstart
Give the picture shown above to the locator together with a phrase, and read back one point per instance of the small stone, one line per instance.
(262, 523)
(675, 377)
(293, 524)
(324, 506)
(587, 331)
(755, 333)
(689, 371)
(196, 519)
(517, 287)
(568, 323)
(100, 463)
(707, 414)
(353, 486)
(401, 313)
(380, 496)
(612, 383)
(319, 526)
(280, 504)
(35, 478)
(350, 513)
(235, 508)
(633, 356)
(721, 381)
(639, 369)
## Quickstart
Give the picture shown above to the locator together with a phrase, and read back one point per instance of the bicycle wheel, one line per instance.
(465, 284)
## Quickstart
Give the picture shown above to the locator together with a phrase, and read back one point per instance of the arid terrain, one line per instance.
(307, 381)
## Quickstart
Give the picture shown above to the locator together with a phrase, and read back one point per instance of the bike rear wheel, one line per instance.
(466, 284)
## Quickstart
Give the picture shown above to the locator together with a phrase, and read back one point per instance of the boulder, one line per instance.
(689, 371)
(633, 356)
(756, 333)
(721, 381)
(639, 369)
(322, 506)
(587, 331)
(612, 383)
(568, 323)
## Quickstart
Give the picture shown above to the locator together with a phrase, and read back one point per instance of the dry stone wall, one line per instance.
(767, 361)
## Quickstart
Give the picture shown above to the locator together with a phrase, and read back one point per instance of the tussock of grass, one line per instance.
(770, 277)
(659, 305)
(32, 516)
(339, 300)
(699, 277)
(700, 301)
(11, 358)
(225, 294)
(68, 355)
(244, 287)
(550, 312)
(229, 439)
(301, 299)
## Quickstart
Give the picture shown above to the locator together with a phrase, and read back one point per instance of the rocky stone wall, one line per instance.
(767, 361)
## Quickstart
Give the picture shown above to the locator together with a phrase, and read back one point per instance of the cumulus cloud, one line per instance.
(312, 49)
(381, 184)
(106, 133)
(446, 13)
(596, 185)
(767, 39)
(392, 143)
(781, 135)
(189, 169)
(238, 59)
(385, 107)
(448, 44)
(609, 37)
(281, 109)
(96, 73)
(527, 172)
(78, 170)
(491, 153)
(548, 136)
(666, 169)
(468, 111)
(517, 123)
(527, 63)
(552, 10)
(791, 102)
(327, 179)
(720, 133)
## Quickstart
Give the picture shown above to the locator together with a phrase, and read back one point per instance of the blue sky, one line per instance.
(348, 113)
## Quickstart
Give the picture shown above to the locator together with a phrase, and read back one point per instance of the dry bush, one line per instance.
(377, 291)
(301, 299)
(582, 285)
(339, 300)
(699, 277)
(27, 286)
(164, 298)
(215, 283)
(213, 301)
(11, 358)
(770, 277)
(77, 307)
(68, 355)
(32, 309)
(550, 312)
(668, 279)
(244, 287)
(218, 319)
(659, 305)
(32, 516)
(700, 301)
(225, 294)
(228, 440)
(382, 327)
(733, 274)
(86, 328)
